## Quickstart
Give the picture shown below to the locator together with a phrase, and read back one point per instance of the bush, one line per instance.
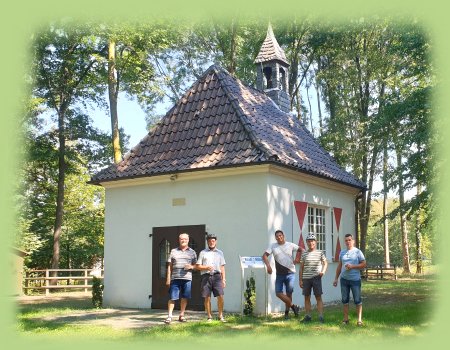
(250, 297)
(97, 292)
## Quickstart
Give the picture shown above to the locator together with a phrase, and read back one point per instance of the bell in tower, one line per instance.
(272, 71)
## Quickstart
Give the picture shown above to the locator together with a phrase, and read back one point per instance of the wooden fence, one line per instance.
(60, 279)
(380, 271)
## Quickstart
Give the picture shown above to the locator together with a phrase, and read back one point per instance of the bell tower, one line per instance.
(272, 71)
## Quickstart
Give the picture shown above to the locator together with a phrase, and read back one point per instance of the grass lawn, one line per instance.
(390, 308)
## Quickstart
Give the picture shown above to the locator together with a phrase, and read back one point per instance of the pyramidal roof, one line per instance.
(270, 49)
(220, 122)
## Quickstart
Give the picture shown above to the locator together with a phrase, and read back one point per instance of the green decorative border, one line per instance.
(20, 19)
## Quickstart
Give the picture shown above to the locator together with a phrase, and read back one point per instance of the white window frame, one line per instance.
(320, 227)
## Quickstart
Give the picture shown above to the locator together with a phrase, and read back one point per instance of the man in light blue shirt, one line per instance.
(351, 261)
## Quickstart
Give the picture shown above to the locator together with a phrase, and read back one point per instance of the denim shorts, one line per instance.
(287, 281)
(180, 289)
(355, 287)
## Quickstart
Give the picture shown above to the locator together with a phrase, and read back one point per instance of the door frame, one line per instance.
(197, 236)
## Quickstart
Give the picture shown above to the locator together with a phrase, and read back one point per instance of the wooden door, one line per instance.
(164, 240)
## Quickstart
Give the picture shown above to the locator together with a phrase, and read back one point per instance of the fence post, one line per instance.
(85, 281)
(25, 290)
(47, 281)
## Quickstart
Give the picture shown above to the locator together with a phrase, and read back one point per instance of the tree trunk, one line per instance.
(60, 194)
(403, 228)
(358, 201)
(310, 109)
(298, 99)
(294, 62)
(113, 95)
(232, 58)
(319, 109)
(293, 78)
(387, 259)
(419, 262)
(367, 200)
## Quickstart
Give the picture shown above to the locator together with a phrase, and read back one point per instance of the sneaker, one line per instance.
(222, 319)
(286, 315)
(296, 309)
(209, 319)
(321, 319)
(306, 319)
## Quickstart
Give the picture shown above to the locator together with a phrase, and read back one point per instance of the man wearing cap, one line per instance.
(313, 266)
(285, 269)
(211, 264)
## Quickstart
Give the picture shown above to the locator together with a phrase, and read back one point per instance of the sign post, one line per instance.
(253, 262)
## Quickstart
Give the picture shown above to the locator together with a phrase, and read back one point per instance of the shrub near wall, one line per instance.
(97, 292)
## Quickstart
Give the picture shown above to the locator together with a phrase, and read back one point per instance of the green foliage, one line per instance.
(411, 117)
(250, 297)
(97, 292)
(82, 239)
(138, 46)
(375, 79)
(60, 147)
(81, 243)
(375, 236)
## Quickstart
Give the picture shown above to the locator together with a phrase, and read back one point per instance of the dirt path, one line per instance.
(121, 318)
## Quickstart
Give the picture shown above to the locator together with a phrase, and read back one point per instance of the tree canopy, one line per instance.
(363, 88)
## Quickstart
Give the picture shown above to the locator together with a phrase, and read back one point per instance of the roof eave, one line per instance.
(277, 163)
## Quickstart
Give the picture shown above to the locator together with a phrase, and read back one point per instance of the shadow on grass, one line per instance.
(390, 308)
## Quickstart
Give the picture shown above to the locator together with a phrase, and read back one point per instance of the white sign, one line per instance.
(255, 262)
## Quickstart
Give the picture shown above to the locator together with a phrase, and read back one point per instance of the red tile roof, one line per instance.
(220, 122)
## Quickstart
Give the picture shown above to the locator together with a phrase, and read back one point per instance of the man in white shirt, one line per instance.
(285, 269)
(211, 264)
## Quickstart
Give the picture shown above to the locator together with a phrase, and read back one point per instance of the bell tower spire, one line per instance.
(272, 71)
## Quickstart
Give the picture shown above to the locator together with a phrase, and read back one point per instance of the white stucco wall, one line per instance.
(233, 207)
(281, 193)
(243, 209)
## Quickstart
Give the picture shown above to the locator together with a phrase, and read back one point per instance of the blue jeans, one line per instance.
(355, 287)
(180, 289)
(285, 280)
